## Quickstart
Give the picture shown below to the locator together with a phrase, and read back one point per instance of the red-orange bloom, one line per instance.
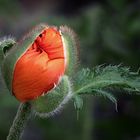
(39, 69)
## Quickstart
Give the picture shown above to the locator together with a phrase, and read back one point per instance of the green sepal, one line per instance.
(71, 43)
(5, 45)
(16, 52)
(53, 101)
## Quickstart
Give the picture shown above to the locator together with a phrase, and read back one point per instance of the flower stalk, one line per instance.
(22, 116)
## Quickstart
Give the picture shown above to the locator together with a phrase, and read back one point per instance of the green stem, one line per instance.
(20, 121)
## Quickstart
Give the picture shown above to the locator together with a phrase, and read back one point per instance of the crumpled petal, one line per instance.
(39, 69)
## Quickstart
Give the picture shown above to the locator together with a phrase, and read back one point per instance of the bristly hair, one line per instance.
(75, 48)
(7, 43)
(62, 87)
(56, 111)
(102, 80)
(33, 31)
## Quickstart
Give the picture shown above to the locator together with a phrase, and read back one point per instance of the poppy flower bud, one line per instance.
(36, 64)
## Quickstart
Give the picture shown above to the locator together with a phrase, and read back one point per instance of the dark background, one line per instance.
(109, 32)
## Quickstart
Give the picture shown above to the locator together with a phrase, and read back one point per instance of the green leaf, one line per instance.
(102, 78)
(78, 102)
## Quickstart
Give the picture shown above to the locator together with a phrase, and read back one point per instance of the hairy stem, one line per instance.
(20, 121)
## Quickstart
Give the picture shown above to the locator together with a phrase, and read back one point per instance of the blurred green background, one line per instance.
(109, 33)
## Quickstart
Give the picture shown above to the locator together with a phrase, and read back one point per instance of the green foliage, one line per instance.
(78, 102)
(101, 80)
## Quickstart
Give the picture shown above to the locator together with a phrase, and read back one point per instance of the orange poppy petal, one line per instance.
(40, 68)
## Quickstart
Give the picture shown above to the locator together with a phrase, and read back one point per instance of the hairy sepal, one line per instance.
(54, 101)
(6, 44)
(70, 44)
